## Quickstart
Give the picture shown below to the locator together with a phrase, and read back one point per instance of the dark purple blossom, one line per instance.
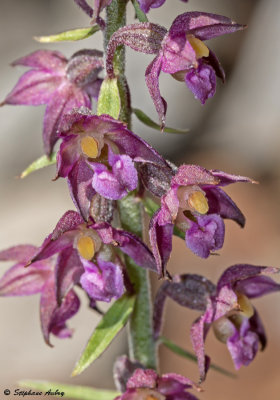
(39, 278)
(180, 52)
(59, 83)
(138, 383)
(87, 255)
(227, 308)
(99, 5)
(194, 204)
(98, 154)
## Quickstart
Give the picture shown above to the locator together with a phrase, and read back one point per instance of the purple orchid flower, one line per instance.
(180, 52)
(146, 5)
(39, 278)
(87, 256)
(194, 204)
(99, 5)
(227, 308)
(138, 383)
(98, 155)
(59, 83)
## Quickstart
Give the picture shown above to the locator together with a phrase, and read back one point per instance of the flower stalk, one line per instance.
(141, 343)
(142, 346)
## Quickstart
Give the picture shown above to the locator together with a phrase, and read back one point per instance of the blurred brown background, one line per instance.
(237, 131)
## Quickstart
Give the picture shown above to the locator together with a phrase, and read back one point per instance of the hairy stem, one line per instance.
(141, 343)
(142, 346)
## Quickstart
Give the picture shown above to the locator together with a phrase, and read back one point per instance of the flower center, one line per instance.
(147, 394)
(89, 146)
(201, 50)
(198, 202)
(245, 305)
(223, 329)
(86, 247)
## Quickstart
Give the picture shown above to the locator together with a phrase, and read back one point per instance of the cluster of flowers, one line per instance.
(103, 161)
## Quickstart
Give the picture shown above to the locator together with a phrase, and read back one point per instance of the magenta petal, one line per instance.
(67, 155)
(226, 179)
(22, 252)
(43, 59)
(238, 272)
(21, 281)
(69, 221)
(128, 243)
(216, 65)
(99, 5)
(202, 82)
(51, 247)
(80, 186)
(102, 282)
(66, 97)
(243, 345)
(93, 88)
(132, 145)
(171, 384)
(226, 301)
(152, 81)
(199, 331)
(136, 249)
(123, 369)
(68, 271)
(144, 37)
(257, 327)
(116, 184)
(212, 31)
(195, 22)
(84, 67)
(205, 236)
(34, 88)
(178, 54)
(54, 317)
(193, 175)
(142, 379)
(161, 242)
(256, 286)
(85, 7)
(220, 203)
(145, 5)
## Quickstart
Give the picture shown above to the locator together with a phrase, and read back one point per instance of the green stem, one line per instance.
(115, 19)
(142, 346)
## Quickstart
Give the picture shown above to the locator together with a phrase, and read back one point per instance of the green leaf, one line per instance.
(109, 326)
(71, 391)
(109, 98)
(41, 162)
(190, 356)
(141, 16)
(149, 122)
(74, 34)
